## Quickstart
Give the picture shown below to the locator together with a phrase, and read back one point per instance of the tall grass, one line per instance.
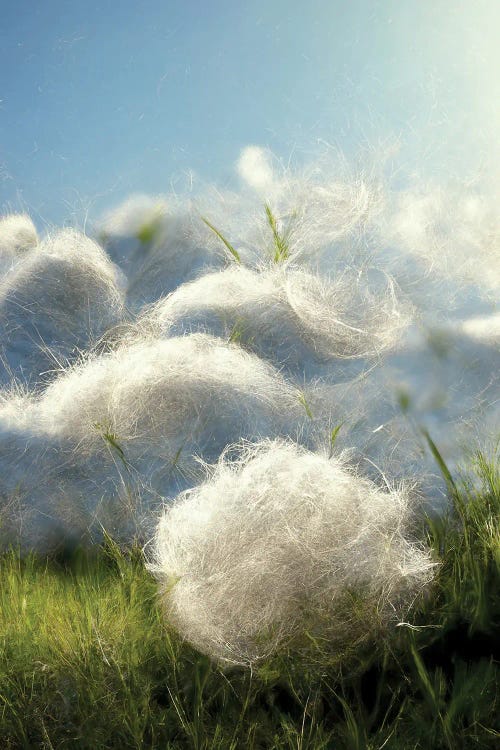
(87, 660)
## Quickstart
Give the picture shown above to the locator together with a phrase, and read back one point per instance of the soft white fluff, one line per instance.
(293, 318)
(132, 423)
(55, 303)
(271, 545)
(183, 250)
(17, 236)
(121, 229)
(159, 245)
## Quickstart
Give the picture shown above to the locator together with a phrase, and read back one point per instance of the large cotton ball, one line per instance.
(50, 493)
(54, 304)
(192, 393)
(281, 541)
(297, 320)
(114, 436)
(49, 498)
(17, 236)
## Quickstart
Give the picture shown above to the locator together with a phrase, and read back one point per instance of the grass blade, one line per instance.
(231, 249)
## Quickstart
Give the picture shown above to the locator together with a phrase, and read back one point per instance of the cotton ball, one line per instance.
(279, 541)
(55, 303)
(297, 320)
(182, 251)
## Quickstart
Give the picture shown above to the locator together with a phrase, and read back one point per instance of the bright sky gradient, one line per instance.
(102, 99)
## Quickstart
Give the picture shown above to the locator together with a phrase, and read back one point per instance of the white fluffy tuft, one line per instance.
(55, 303)
(293, 318)
(271, 544)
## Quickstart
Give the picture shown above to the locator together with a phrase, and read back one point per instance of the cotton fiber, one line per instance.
(17, 236)
(51, 497)
(127, 230)
(280, 541)
(132, 424)
(55, 303)
(293, 318)
(159, 247)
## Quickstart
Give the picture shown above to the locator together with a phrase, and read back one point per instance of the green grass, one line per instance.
(87, 660)
(281, 239)
(234, 253)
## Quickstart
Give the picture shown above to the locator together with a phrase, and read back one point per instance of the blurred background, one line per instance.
(102, 99)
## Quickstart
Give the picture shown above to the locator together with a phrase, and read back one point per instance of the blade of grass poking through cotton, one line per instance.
(148, 232)
(281, 248)
(231, 249)
(333, 437)
(440, 461)
(303, 402)
(112, 441)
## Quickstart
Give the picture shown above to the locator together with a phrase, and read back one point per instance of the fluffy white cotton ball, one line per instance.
(297, 320)
(279, 541)
(124, 430)
(55, 303)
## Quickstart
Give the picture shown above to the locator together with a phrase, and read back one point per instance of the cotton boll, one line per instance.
(124, 430)
(54, 304)
(17, 236)
(195, 389)
(295, 319)
(272, 543)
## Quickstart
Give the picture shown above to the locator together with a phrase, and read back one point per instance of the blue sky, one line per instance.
(99, 100)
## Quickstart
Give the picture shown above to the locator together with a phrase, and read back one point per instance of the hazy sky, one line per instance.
(99, 100)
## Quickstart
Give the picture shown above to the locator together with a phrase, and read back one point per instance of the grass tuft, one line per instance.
(281, 239)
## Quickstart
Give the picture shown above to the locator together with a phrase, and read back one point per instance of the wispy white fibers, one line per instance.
(159, 245)
(192, 394)
(255, 168)
(17, 235)
(281, 541)
(130, 424)
(453, 230)
(56, 302)
(129, 228)
(293, 318)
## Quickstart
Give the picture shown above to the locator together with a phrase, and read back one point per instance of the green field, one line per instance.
(88, 661)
